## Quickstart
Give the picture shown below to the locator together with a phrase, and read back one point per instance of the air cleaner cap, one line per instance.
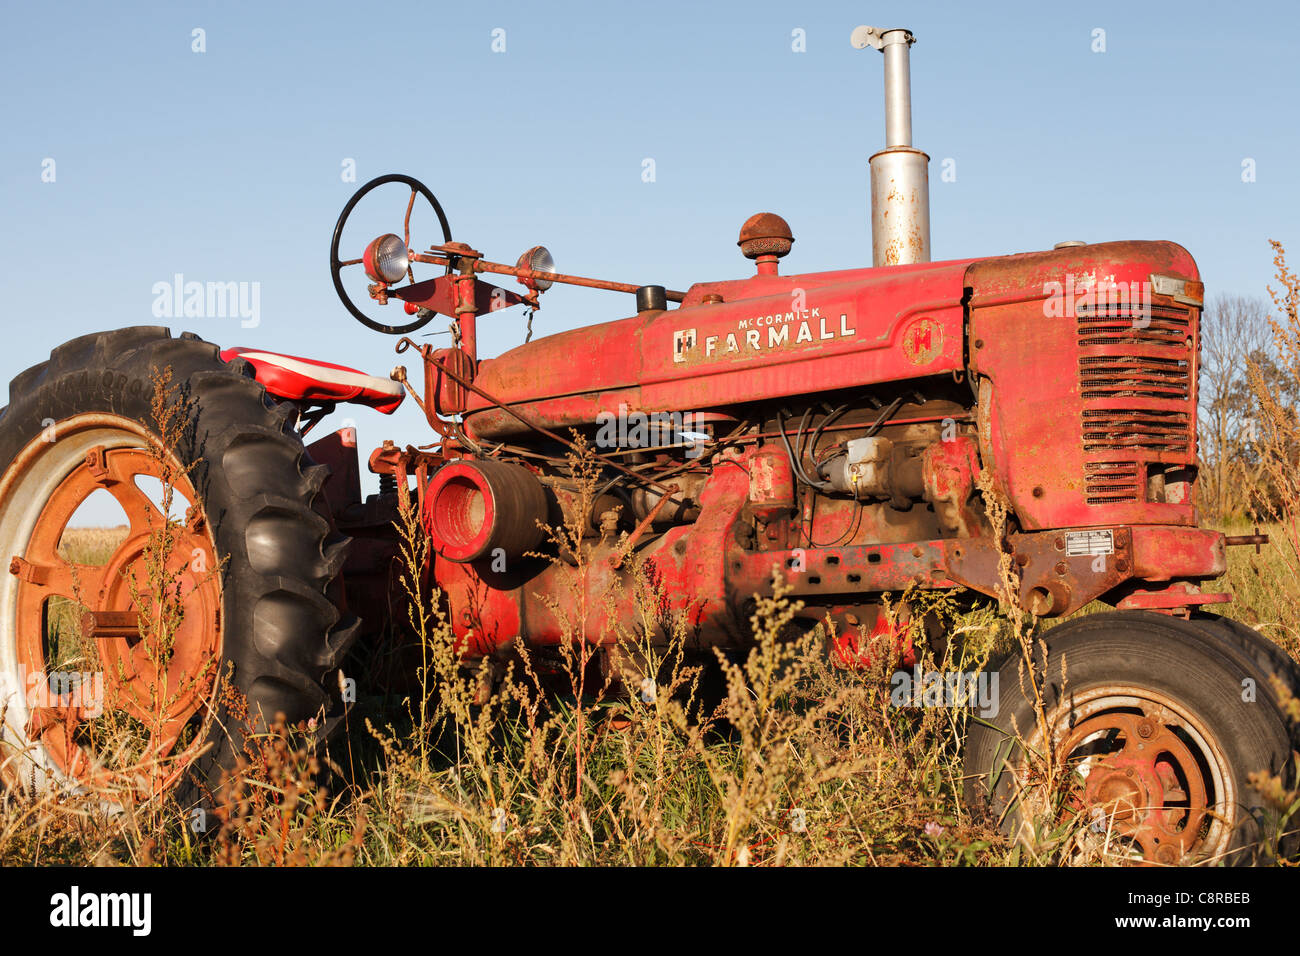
(765, 234)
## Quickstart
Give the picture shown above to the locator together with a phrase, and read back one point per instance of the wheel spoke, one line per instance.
(42, 719)
(1160, 715)
(76, 582)
(63, 711)
(142, 514)
(1173, 789)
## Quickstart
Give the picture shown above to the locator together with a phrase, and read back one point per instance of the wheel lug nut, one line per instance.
(1145, 729)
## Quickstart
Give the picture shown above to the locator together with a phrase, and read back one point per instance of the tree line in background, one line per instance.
(1249, 403)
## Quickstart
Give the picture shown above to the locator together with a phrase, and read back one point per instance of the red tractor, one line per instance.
(1029, 419)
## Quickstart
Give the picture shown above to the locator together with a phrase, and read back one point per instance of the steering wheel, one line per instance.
(337, 265)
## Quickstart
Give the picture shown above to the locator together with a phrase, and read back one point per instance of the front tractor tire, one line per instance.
(1156, 725)
(117, 673)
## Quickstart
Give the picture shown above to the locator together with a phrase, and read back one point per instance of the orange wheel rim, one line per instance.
(150, 619)
(1148, 773)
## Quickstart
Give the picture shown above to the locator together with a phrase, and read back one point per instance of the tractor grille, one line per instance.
(1137, 382)
(1107, 429)
(1125, 375)
(1112, 481)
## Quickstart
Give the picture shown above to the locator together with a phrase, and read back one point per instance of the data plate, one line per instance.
(1079, 543)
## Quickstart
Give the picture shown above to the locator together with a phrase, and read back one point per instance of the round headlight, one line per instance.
(385, 259)
(537, 259)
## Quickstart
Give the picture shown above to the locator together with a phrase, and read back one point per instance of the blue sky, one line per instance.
(226, 165)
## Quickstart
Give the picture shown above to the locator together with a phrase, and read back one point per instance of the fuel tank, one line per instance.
(735, 342)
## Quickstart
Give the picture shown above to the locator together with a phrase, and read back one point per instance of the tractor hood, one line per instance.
(769, 336)
(735, 342)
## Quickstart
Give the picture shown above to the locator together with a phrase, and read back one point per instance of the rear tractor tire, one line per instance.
(116, 674)
(1156, 725)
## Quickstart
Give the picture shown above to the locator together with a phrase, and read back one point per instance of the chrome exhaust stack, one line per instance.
(900, 179)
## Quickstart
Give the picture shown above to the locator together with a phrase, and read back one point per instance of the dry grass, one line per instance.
(91, 545)
(801, 763)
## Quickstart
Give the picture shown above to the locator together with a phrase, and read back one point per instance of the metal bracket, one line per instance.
(874, 37)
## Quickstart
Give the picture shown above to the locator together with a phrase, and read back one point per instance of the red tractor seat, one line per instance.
(308, 380)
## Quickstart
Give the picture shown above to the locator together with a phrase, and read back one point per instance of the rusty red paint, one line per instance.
(1100, 481)
(440, 295)
(1083, 480)
(853, 337)
(856, 648)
